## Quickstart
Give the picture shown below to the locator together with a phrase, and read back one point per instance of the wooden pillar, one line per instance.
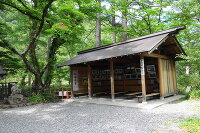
(160, 73)
(89, 81)
(71, 81)
(174, 76)
(112, 80)
(143, 79)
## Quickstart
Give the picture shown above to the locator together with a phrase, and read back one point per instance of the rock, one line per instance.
(28, 104)
(5, 101)
(20, 105)
(15, 89)
(13, 106)
(15, 99)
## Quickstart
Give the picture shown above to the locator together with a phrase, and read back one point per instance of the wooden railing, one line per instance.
(60, 91)
(5, 90)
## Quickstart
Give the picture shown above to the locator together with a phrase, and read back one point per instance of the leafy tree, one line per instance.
(38, 20)
(183, 14)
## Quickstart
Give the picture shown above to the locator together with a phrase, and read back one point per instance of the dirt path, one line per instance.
(91, 118)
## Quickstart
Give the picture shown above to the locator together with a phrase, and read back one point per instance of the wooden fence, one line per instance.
(5, 90)
(60, 91)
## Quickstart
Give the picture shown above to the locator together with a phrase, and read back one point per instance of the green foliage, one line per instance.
(194, 94)
(42, 98)
(37, 98)
(192, 80)
(192, 124)
(74, 22)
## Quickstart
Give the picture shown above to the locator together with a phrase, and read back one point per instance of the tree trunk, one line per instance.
(22, 82)
(124, 25)
(113, 25)
(98, 26)
(37, 85)
(48, 72)
(187, 72)
(29, 79)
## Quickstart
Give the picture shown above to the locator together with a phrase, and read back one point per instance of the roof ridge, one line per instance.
(172, 30)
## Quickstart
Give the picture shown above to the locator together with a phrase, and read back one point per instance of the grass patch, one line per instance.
(192, 124)
(168, 124)
(183, 99)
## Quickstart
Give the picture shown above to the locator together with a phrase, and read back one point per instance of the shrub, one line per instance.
(37, 98)
(43, 98)
(194, 94)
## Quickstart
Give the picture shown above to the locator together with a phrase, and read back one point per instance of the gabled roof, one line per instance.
(147, 43)
(2, 72)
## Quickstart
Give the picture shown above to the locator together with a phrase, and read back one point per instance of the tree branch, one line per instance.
(20, 10)
(28, 66)
(35, 38)
(23, 4)
(4, 44)
(89, 33)
(56, 43)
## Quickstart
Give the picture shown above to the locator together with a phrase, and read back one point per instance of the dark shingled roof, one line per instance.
(2, 72)
(146, 43)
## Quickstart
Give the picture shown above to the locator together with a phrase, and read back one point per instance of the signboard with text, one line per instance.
(75, 80)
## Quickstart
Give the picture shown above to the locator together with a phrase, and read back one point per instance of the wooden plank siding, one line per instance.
(160, 73)
(71, 81)
(89, 81)
(165, 73)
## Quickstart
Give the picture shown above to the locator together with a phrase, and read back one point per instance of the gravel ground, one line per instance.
(73, 117)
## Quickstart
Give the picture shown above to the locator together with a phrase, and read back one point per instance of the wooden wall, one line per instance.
(101, 80)
(82, 78)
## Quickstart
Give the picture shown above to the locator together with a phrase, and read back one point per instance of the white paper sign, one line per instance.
(142, 66)
(75, 80)
(60, 93)
(64, 93)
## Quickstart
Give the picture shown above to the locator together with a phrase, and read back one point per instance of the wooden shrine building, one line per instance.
(143, 65)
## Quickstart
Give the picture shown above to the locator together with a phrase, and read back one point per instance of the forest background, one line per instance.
(38, 35)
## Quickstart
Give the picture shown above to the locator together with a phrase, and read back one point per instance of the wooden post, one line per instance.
(89, 81)
(112, 80)
(160, 73)
(71, 81)
(143, 79)
(62, 93)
